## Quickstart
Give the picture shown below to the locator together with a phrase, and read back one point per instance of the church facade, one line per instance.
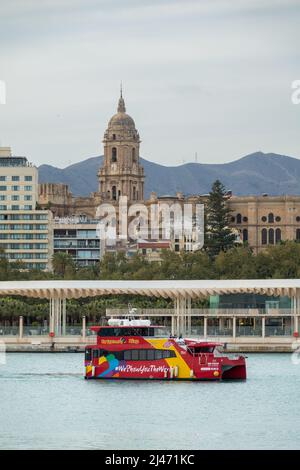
(258, 220)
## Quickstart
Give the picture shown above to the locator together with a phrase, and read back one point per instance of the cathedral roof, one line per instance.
(121, 119)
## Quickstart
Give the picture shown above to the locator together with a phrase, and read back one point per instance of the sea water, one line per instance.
(45, 403)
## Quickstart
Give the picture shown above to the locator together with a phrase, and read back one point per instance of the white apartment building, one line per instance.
(25, 233)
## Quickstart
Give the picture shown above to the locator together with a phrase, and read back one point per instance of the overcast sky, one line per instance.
(206, 76)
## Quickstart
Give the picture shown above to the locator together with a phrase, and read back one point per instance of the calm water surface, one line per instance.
(46, 404)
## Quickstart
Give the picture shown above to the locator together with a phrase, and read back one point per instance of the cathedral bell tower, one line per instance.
(121, 173)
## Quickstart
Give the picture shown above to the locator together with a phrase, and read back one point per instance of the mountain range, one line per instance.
(253, 174)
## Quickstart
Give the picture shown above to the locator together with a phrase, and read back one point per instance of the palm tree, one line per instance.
(62, 263)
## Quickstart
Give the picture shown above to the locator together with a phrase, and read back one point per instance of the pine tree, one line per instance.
(218, 234)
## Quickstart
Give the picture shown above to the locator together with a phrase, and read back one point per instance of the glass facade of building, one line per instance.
(79, 239)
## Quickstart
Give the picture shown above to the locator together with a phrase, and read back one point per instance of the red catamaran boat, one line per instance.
(131, 350)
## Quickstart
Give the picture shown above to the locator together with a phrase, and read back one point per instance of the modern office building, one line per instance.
(78, 237)
(25, 233)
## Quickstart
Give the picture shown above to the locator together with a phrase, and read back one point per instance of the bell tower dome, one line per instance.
(121, 173)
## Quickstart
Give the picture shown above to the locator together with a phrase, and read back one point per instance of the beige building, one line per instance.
(25, 233)
(265, 220)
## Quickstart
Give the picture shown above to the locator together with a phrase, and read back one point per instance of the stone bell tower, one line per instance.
(121, 173)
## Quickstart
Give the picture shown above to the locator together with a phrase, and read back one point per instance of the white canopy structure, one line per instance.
(167, 289)
(182, 292)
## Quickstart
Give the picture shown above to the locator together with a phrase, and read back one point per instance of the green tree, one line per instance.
(237, 263)
(218, 234)
(280, 261)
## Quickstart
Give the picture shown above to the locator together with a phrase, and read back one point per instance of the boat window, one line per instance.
(158, 354)
(127, 355)
(88, 354)
(150, 354)
(96, 353)
(166, 354)
(126, 332)
(203, 349)
(143, 355)
(135, 355)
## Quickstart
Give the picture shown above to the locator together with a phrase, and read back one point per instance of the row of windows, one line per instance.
(15, 207)
(24, 246)
(60, 233)
(85, 254)
(16, 188)
(23, 227)
(116, 193)
(271, 219)
(15, 178)
(23, 216)
(132, 354)
(15, 197)
(39, 266)
(270, 236)
(27, 255)
(76, 243)
(23, 236)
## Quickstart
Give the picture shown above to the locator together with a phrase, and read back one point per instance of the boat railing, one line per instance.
(204, 312)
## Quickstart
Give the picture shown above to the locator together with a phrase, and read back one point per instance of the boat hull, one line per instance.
(219, 370)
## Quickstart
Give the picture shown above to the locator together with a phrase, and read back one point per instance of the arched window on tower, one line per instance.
(271, 236)
(271, 218)
(277, 235)
(264, 236)
(298, 234)
(239, 219)
(133, 155)
(134, 193)
(114, 154)
(245, 235)
(114, 193)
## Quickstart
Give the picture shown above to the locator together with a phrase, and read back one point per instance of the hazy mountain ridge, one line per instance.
(255, 174)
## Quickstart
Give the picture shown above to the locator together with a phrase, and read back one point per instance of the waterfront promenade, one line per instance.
(252, 329)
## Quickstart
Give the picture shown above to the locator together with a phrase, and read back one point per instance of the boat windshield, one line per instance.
(201, 349)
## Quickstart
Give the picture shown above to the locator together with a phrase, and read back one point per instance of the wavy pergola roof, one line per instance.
(166, 289)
